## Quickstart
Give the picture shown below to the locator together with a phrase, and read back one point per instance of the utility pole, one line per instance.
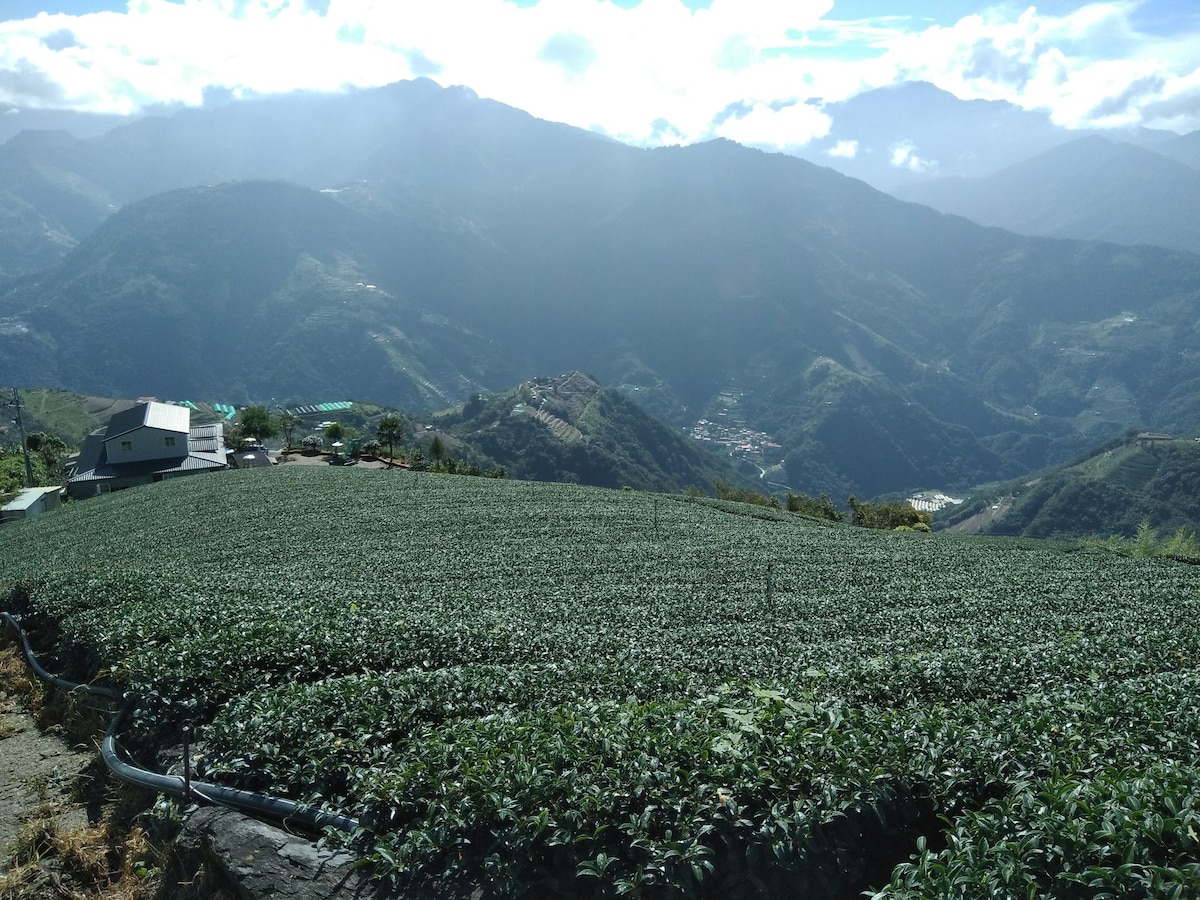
(16, 401)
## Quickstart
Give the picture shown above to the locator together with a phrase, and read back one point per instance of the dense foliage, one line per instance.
(257, 423)
(12, 470)
(1108, 491)
(552, 690)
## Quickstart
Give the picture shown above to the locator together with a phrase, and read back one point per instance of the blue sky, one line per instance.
(643, 71)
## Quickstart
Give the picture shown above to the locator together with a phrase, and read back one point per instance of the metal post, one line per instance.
(187, 762)
(24, 446)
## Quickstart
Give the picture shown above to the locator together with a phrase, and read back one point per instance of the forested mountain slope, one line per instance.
(467, 247)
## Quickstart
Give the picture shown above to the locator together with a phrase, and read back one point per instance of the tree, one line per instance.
(12, 472)
(335, 431)
(288, 423)
(257, 423)
(473, 407)
(725, 491)
(235, 438)
(437, 450)
(389, 431)
(50, 448)
(890, 515)
(821, 507)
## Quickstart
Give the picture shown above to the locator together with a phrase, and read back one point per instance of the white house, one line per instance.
(147, 431)
(148, 442)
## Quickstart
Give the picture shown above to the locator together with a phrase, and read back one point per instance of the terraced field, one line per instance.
(552, 690)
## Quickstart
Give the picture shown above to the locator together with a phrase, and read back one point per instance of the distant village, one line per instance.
(742, 441)
(729, 430)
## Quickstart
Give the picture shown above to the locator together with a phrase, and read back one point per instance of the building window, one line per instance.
(170, 439)
(126, 446)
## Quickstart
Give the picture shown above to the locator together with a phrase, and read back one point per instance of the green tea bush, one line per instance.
(558, 690)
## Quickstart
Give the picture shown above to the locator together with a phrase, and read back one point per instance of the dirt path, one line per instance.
(38, 772)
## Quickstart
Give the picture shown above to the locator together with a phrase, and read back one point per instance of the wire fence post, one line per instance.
(187, 762)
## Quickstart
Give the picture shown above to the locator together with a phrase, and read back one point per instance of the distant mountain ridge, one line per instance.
(1090, 188)
(908, 133)
(315, 140)
(883, 346)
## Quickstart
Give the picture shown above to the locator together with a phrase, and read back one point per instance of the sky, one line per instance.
(646, 72)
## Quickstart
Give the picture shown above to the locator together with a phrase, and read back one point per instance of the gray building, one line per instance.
(148, 442)
(31, 502)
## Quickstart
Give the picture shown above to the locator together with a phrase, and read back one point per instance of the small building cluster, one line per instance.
(738, 438)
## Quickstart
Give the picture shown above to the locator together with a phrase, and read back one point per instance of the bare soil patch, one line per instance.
(40, 774)
(67, 828)
(323, 459)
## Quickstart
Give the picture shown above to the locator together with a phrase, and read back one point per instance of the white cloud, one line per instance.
(844, 149)
(777, 129)
(904, 156)
(651, 73)
(1088, 68)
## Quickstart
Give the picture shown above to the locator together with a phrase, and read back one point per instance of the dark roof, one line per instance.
(251, 459)
(90, 454)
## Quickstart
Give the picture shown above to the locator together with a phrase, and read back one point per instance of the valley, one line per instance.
(693, 636)
(828, 336)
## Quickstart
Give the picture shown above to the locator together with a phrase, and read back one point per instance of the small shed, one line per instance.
(31, 502)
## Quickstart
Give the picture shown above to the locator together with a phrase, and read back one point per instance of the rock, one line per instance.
(266, 861)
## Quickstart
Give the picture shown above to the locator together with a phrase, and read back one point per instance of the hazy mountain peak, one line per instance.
(39, 140)
(1090, 188)
(905, 133)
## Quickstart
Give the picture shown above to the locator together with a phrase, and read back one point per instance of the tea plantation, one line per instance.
(548, 690)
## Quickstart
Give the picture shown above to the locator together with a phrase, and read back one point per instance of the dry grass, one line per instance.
(125, 852)
(75, 716)
(95, 862)
(16, 678)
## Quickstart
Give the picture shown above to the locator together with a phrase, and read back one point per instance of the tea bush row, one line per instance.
(559, 689)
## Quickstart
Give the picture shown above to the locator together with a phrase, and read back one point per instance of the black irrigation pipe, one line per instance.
(288, 811)
(68, 686)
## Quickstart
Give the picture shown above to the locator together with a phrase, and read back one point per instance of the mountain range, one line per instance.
(416, 246)
(911, 132)
(1090, 188)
